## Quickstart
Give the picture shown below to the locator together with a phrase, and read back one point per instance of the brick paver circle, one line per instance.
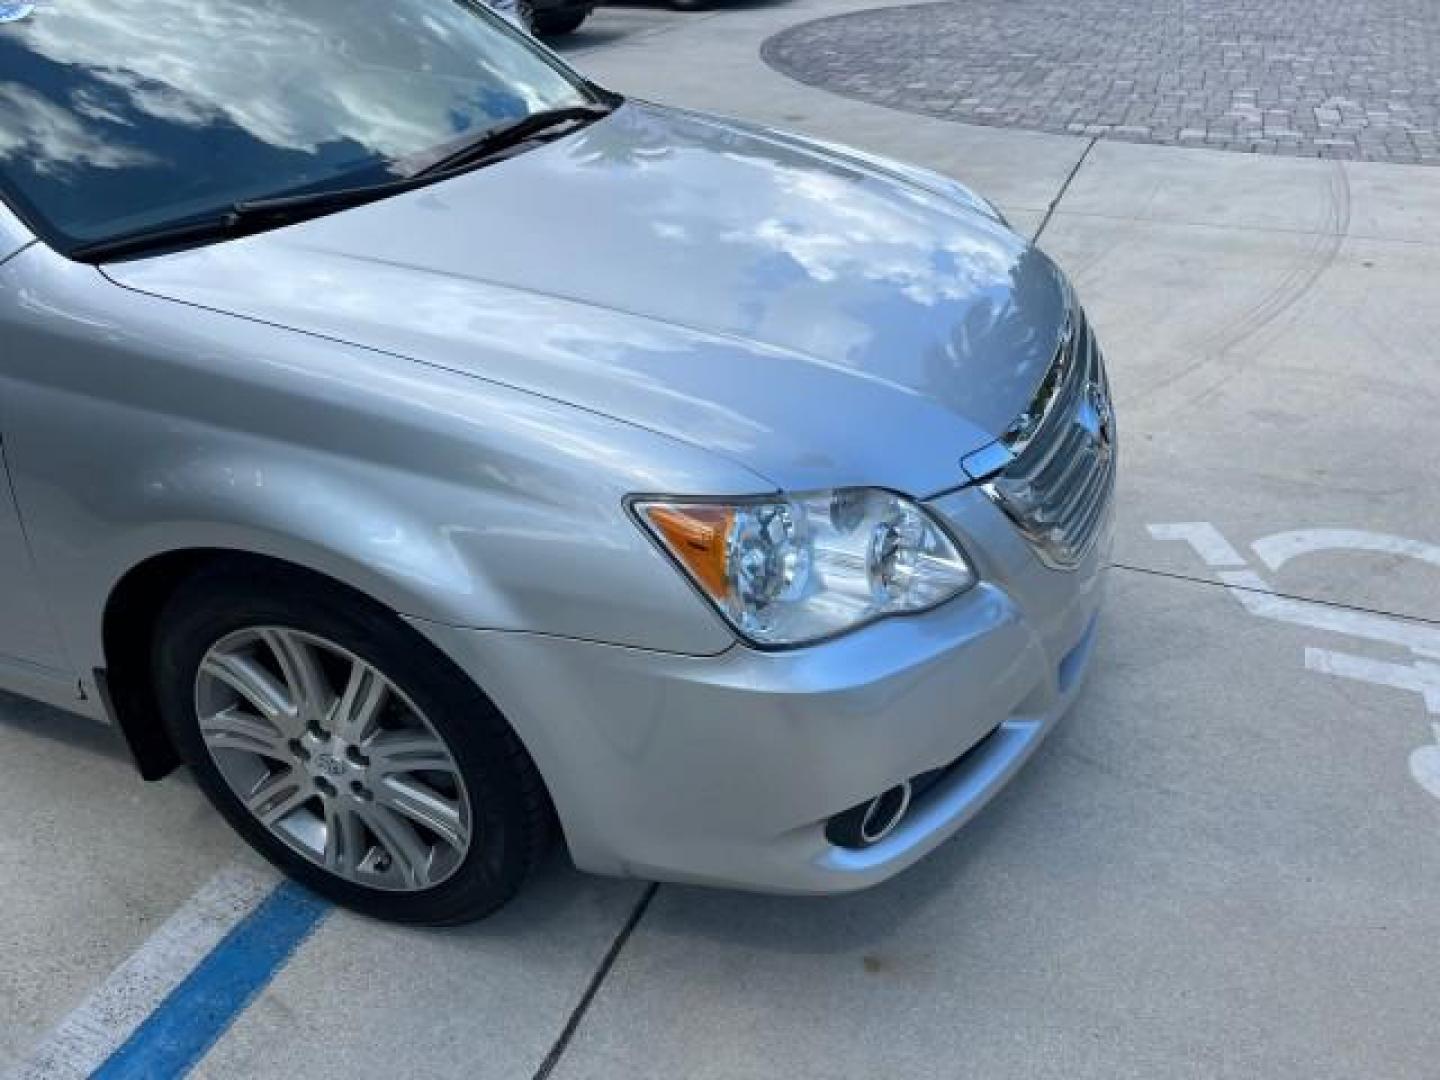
(1327, 78)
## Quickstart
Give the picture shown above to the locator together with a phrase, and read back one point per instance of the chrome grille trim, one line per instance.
(1056, 477)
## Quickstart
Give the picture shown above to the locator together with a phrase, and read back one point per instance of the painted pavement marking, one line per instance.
(173, 1039)
(161, 1004)
(1420, 675)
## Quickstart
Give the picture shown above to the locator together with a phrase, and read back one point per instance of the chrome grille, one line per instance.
(1056, 473)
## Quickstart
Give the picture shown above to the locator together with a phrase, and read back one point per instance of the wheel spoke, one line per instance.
(355, 713)
(345, 846)
(395, 752)
(410, 857)
(278, 796)
(425, 806)
(252, 682)
(235, 730)
(306, 682)
(333, 758)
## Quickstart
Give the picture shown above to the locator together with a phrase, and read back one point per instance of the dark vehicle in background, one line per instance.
(545, 18)
(554, 18)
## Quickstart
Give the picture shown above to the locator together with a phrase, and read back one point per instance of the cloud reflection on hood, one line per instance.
(877, 241)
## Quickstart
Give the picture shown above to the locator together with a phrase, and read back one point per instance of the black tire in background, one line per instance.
(559, 23)
(510, 808)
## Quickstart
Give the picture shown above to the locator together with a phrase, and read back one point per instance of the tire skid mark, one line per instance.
(1219, 346)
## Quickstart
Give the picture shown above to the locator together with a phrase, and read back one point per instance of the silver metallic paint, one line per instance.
(691, 278)
(137, 427)
(443, 400)
(723, 770)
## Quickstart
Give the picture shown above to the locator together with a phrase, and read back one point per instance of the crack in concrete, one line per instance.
(1230, 586)
(1064, 188)
(597, 980)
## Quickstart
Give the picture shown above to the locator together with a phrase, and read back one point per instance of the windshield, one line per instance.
(123, 115)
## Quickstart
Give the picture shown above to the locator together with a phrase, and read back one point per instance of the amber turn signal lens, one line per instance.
(699, 537)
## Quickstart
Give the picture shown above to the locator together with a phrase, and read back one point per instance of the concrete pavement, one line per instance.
(1224, 863)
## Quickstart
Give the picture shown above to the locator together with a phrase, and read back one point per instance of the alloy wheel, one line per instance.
(333, 759)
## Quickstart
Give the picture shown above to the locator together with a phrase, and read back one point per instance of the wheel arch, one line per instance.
(132, 612)
(125, 589)
(127, 628)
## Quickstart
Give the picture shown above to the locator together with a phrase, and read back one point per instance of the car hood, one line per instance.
(818, 316)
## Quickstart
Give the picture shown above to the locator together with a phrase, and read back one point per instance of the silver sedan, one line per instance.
(435, 452)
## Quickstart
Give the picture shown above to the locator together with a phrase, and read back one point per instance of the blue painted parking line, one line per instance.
(99, 1025)
(173, 1039)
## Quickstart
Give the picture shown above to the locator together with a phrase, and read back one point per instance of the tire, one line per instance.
(472, 826)
(559, 23)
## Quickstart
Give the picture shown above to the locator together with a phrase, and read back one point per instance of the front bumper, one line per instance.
(725, 769)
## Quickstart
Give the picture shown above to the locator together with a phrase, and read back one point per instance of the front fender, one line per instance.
(138, 426)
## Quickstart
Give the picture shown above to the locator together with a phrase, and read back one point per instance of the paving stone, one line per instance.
(1327, 78)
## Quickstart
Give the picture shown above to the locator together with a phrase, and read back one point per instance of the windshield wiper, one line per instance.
(505, 136)
(257, 215)
(240, 219)
(159, 239)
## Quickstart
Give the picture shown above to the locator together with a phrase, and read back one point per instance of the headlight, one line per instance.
(790, 570)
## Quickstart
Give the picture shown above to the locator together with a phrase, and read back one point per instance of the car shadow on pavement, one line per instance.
(588, 37)
(31, 719)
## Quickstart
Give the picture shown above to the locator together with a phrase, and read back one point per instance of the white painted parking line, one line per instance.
(1425, 765)
(86, 1038)
(1418, 672)
(1279, 548)
(1207, 541)
(1421, 677)
(1258, 597)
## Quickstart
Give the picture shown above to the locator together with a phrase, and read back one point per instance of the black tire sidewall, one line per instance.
(559, 24)
(491, 761)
